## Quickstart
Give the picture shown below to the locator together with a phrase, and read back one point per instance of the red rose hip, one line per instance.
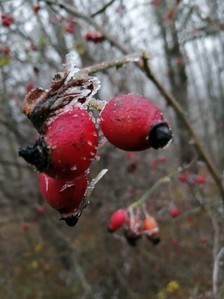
(133, 123)
(68, 145)
(200, 180)
(175, 212)
(63, 195)
(117, 219)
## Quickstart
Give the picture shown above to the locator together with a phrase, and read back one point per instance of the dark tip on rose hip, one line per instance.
(71, 220)
(154, 240)
(131, 237)
(36, 154)
(160, 135)
(110, 230)
(131, 241)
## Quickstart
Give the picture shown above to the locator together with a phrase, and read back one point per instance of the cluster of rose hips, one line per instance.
(135, 225)
(68, 135)
(63, 154)
(94, 36)
(158, 161)
(7, 20)
(192, 179)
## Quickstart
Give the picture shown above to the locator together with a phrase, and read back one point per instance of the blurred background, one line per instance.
(41, 257)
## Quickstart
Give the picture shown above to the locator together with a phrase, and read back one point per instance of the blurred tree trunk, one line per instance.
(176, 75)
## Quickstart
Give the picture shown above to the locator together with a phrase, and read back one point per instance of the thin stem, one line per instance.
(145, 196)
(180, 112)
(102, 9)
(134, 57)
(216, 272)
(70, 9)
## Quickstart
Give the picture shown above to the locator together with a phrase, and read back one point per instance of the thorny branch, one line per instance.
(145, 68)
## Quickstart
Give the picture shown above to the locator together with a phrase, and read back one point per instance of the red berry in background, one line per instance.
(174, 242)
(94, 36)
(68, 146)
(175, 212)
(36, 8)
(33, 47)
(117, 219)
(170, 14)
(132, 123)
(203, 240)
(150, 226)
(70, 28)
(200, 180)
(7, 20)
(97, 38)
(88, 36)
(130, 155)
(151, 230)
(25, 226)
(183, 177)
(40, 210)
(63, 195)
(162, 159)
(5, 51)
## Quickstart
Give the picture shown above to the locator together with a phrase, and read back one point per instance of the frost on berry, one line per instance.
(67, 147)
(69, 197)
(136, 223)
(62, 195)
(93, 183)
(132, 122)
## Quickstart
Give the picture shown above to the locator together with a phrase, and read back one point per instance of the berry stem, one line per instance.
(138, 203)
(96, 104)
(166, 179)
(181, 114)
(99, 67)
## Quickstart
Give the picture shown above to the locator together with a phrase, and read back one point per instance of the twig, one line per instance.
(70, 9)
(216, 272)
(168, 97)
(165, 179)
(102, 9)
(135, 57)
(180, 112)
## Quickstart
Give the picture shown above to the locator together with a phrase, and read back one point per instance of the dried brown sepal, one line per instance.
(39, 104)
(32, 99)
(131, 236)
